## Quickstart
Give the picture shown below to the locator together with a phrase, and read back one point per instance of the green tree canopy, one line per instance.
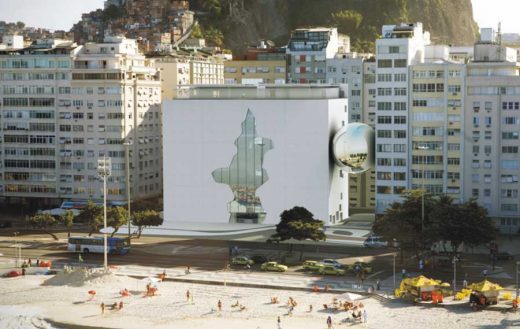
(116, 217)
(146, 218)
(403, 221)
(347, 21)
(92, 214)
(43, 222)
(67, 219)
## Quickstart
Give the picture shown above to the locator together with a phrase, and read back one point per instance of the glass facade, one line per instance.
(245, 174)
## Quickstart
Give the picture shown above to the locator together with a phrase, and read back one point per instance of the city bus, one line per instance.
(95, 245)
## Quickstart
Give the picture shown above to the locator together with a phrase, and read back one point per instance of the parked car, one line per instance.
(375, 241)
(241, 260)
(331, 270)
(273, 266)
(361, 266)
(332, 262)
(504, 255)
(312, 265)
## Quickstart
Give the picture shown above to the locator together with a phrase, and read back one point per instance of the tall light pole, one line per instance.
(17, 249)
(517, 264)
(423, 147)
(394, 268)
(455, 259)
(127, 153)
(104, 170)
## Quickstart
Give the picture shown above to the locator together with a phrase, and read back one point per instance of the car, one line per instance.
(332, 262)
(258, 259)
(374, 241)
(504, 255)
(241, 260)
(274, 267)
(362, 266)
(331, 270)
(312, 265)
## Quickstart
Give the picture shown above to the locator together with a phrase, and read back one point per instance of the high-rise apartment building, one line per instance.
(398, 48)
(308, 50)
(63, 107)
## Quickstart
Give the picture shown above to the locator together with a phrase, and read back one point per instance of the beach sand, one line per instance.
(25, 301)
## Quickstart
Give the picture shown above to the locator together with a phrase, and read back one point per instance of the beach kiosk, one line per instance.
(486, 291)
(418, 288)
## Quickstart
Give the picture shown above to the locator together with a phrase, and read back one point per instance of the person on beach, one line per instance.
(37, 262)
(121, 305)
(187, 295)
(310, 308)
(102, 308)
(279, 323)
(30, 262)
(219, 305)
(329, 322)
(188, 269)
(23, 272)
(365, 316)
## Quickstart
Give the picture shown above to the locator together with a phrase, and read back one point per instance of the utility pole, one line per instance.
(104, 170)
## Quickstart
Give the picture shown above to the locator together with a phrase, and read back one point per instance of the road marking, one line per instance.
(374, 274)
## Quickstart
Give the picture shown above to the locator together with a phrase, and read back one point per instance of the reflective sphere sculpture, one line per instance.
(353, 147)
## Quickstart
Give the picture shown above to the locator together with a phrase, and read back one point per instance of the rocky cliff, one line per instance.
(241, 22)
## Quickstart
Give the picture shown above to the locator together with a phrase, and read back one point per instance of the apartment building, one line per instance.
(399, 47)
(65, 106)
(185, 67)
(255, 72)
(492, 164)
(308, 50)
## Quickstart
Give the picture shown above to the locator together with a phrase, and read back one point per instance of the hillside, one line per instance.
(240, 22)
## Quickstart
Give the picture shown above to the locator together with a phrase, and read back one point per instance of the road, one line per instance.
(213, 255)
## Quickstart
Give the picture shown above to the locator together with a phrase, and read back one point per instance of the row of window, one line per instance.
(388, 119)
(387, 106)
(32, 102)
(35, 63)
(388, 63)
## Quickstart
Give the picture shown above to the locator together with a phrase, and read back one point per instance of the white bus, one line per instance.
(95, 245)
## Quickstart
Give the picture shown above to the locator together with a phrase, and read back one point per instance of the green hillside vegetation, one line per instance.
(242, 22)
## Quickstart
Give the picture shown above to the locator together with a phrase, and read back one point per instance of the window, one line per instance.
(400, 106)
(384, 106)
(400, 162)
(384, 77)
(400, 133)
(384, 91)
(400, 91)
(454, 89)
(510, 149)
(384, 63)
(384, 119)
(400, 77)
(384, 133)
(400, 63)
(384, 162)
(399, 148)
(384, 148)
(399, 119)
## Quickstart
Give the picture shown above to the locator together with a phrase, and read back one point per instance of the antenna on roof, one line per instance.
(499, 33)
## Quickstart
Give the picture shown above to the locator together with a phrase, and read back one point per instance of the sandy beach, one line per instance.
(26, 303)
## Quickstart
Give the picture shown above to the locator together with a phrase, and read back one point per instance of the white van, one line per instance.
(375, 241)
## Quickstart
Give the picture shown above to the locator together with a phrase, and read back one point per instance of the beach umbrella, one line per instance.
(349, 297)
(485, 286)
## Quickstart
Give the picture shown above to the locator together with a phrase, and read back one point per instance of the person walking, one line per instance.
(219, 305)
(279, 323)
(329, 322)
(102, 308)
(187, 295)
(465, 284)
(23, 272)
(378, 285)
(365, 316)
(403, 273)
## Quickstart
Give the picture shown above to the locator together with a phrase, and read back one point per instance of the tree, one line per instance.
(20, 25)
(461, 224)
(146, 218)
(92, 214)
(347, 21)
(43, 222)
(214, 36)
(116, 217)
(403, 221)
(197, 32)
(67, 219)
(298, 223)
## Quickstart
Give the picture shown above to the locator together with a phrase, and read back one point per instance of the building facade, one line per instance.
(64, 107)
(244, 154)
(255, 72)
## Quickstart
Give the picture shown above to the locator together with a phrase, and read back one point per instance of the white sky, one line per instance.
(488, 13)
(62, 14)
(50, 14)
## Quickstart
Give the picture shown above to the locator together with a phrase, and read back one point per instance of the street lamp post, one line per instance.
(104, 170)
(517, 264)
(17, 249)
(454, 275)
(394, 268)
(127, 153)
(423, 147)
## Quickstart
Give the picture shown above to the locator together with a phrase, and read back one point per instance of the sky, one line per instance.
(62, 14)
